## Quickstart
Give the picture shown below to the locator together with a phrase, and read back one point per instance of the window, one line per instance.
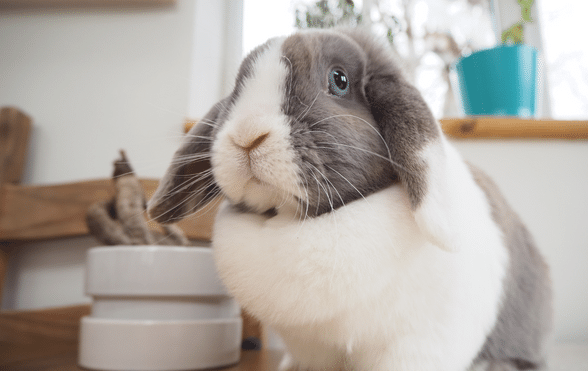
(566, 57)
(428, 35)
(441, 30)
(263, 19)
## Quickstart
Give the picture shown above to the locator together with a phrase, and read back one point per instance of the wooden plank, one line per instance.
(501, 127)
(264, 360)
(80, 3)
(41, 212)
(29, 335)
(33, 212)
(3, 269)
(48, 338)
(188, 124)
(512, 128)
(66, 361)
(15, 129)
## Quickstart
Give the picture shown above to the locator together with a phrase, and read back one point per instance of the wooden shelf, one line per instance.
(39, 212)
(42, 212)
(80, 3)
(501, 128)
(30, 336)
(47, 339)
(513, 128)
(251, 360)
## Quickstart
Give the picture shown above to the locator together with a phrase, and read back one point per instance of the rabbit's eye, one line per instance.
(338, 83)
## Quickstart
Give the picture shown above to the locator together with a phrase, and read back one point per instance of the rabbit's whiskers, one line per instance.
(184, 186)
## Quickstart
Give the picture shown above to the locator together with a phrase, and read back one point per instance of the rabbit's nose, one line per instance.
(252, 144)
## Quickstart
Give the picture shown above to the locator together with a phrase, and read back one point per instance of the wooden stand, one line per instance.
(512, 128)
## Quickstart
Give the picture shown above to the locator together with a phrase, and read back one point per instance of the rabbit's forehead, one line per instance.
(309, 57)
(315, 51)
(296, 65)
(259, 89)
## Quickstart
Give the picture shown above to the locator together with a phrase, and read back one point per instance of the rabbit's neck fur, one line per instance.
(349, 274)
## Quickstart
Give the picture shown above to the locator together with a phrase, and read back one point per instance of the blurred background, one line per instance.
(99, 76)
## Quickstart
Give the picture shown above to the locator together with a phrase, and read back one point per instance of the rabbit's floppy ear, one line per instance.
(417, 147)
(188, 184)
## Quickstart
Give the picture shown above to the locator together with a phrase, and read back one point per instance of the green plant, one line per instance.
(332, 13)
(515, 33)
(326, 14)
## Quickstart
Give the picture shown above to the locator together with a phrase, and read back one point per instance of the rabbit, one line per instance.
(350, 225)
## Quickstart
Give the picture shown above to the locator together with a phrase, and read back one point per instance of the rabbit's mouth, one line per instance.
(256, 170)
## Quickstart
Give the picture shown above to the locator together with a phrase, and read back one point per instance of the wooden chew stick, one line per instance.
(130, 203)
(121, 220)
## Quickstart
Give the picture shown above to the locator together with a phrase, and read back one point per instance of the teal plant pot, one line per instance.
(500, 81)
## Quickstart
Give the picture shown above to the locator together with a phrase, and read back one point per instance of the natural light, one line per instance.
(561, 21)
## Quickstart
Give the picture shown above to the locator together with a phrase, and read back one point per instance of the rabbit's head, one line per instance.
(315, 121)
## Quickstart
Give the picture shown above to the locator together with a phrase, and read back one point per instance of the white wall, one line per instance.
(546, 182)
(47, 274)
(96, 80)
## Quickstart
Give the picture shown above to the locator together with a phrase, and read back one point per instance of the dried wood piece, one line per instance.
(121, 220)
(173, 236)
(130, 203)
(103, 225)
(15, 128)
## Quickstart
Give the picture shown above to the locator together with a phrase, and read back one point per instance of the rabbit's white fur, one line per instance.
(338, 283)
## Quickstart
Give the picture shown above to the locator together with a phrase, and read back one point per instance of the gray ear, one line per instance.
(403, 117)
(407, 127)
(417, 154)
(188, 184)
(418, 151)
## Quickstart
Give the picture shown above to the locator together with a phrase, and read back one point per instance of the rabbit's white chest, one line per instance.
(361, 275)
(301, 271)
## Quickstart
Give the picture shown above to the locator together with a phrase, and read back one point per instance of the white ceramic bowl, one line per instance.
(157, 308)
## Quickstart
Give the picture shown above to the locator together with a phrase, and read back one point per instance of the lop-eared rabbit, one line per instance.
(349, 223)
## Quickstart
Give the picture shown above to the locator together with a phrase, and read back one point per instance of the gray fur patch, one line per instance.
(362, 142)
(339, 151)
(525, 320)
(406, 122)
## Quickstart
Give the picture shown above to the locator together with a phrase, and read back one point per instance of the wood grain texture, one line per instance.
(29, 335)
(42, 212)
(501, 128)
(264, 360)
(513, 128)
(3, 269)
(15, 4)
(15, 129)
(47, 339)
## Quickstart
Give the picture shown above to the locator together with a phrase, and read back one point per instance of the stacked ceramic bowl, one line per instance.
(157, 308)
